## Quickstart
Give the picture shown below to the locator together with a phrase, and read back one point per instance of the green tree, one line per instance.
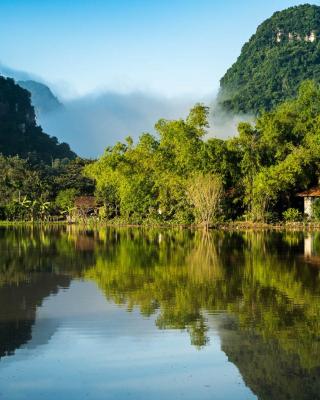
(65, 199)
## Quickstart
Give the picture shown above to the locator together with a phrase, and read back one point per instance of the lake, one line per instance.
(150, 314)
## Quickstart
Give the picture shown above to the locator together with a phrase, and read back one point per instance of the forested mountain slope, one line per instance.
(19, 132)
(284, 51)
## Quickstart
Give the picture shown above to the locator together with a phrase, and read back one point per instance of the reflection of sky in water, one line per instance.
(83, 347)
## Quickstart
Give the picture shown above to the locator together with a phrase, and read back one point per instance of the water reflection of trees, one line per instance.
(29, 250)
(258, 279)
(255, 276)
(272, 298)
(182, 275)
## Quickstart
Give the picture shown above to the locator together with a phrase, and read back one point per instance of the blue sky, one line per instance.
(169, 47)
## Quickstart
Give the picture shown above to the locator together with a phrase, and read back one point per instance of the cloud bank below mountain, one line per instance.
(91, 123)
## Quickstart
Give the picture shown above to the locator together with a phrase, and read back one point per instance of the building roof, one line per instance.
(313, 192)
(85, 202)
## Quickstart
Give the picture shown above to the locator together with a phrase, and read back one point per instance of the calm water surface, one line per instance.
(133, 314)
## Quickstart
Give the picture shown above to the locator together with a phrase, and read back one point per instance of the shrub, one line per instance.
(205, 192)
(16, 211)
(65, 199)
(292, 215)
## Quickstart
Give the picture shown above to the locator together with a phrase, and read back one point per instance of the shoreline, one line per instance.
(223, 226)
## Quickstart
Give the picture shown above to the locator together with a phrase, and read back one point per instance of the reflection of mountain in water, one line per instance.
(35, 263)
(268, 370)
(18, 313)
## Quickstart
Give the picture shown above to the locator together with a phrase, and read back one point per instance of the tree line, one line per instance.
(179, 175)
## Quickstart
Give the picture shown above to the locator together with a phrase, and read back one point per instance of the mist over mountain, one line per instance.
(92, 123)
(284, 51)
(17, 75)
(19, 132)
(42, 98)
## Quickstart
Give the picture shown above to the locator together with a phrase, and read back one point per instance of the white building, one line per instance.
(309, 197)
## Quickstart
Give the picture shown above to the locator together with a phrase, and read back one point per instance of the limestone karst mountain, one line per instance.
(284, 51)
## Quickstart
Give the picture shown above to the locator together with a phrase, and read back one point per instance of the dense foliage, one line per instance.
(179, 175)
(30, 191)
(283, 52)
(19, 132)
(261, 170)
(149, 180)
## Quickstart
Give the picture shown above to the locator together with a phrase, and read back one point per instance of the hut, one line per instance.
(85, 206)
(309, 197)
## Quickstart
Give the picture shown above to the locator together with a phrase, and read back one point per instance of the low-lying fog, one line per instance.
(91, 123)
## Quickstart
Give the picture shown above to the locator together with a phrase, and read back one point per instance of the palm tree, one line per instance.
(44, 206)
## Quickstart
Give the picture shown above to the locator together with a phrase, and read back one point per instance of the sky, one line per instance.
(166, 47)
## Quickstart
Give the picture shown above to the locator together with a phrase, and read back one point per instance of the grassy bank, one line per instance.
(234, 225)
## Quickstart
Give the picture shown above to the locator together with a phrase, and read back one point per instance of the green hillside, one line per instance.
(284, 51)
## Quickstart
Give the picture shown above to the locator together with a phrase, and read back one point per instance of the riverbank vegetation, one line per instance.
(31, 190)
(181, 175)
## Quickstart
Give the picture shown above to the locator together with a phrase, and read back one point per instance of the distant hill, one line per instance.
(42, 98)
(284, 51)
(19, 133)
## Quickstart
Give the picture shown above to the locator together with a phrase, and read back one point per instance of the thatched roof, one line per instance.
(313, 192)
(85, 202)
